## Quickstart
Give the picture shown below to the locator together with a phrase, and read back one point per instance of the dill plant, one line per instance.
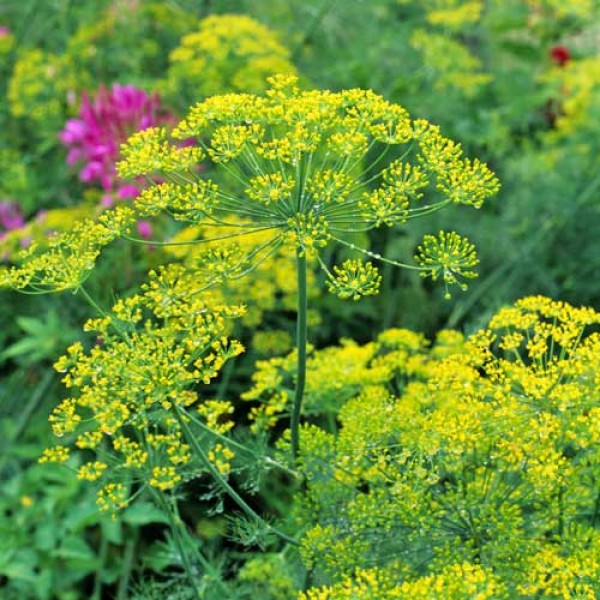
(293, 171)
(225, 53)
(292, 164)
(466, 468)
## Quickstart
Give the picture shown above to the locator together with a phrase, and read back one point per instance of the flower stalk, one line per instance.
(301, 341)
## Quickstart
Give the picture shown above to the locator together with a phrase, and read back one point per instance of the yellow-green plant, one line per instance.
(227, 53)
(291, 172)
(135, 409)
(310, 168)
(42, 86)
(477, 456)
(457, 582)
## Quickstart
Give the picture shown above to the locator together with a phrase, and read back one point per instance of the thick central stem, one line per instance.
(301, 339)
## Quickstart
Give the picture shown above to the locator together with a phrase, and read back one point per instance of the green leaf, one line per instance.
(74, 548)
(143, 513)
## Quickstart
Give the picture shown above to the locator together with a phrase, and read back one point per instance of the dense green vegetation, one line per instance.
(297, 299)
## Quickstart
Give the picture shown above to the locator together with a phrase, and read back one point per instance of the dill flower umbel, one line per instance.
(473, 462)
(294, 163)
(303, 169)
(227, 53)
(129, 392)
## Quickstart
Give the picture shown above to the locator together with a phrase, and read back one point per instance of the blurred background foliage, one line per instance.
(517, 82)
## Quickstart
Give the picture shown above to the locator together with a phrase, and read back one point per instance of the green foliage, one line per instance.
(461, 468)
(40, 339)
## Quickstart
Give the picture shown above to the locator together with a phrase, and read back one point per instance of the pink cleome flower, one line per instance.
(105, 122)
(11, 216)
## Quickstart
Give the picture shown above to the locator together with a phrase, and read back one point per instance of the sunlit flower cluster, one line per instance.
(227, 259)
(227, 53)
(64, 261)
(131, 390)
(457, 582)
(334, 375)
(481, 450)
(292, 163)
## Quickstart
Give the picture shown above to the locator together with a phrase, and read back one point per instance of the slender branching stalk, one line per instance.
(222, 482)
(301, 341)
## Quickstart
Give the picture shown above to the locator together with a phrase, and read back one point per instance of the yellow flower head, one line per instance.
(293, 163)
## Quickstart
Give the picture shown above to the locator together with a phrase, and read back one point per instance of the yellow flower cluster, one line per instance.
(65, 260)
(447, 60)
(475, 460)
(274, 341)
(577, 86)
(450, 61)
(131, 389)
(150, 151)
(457, 582)
(290, 167)
(217, 414)
(39, 86)
(453, 14)
(447, 257)
(221, 456)
(291, 162)
(334, 375)
(112, 497)
(555, 575)
(209, 251)
(42, 230)
(227, 53)
(354, 279)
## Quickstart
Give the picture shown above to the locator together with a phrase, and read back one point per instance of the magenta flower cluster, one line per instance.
(11, 217)
(104, 123)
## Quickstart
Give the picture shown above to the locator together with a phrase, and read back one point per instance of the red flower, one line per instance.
(560, 55)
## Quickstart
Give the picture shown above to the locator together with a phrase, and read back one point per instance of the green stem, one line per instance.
(233, 443)
(91, 301)
(211, 574)
(226, 374)
(218, 477)
(127, 569)
(176, 525)
(103, 555)
(301, 338)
